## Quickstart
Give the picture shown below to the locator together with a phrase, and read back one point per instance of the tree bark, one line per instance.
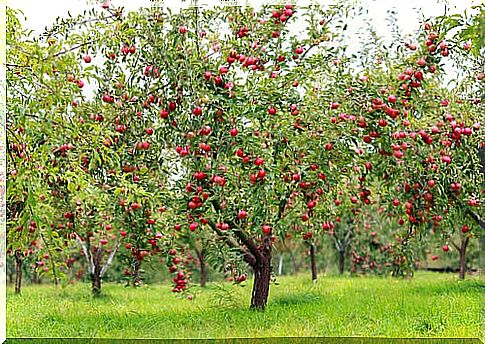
(96, 273)
(262, 277)
(203, 269)
(35, 277)
(18, 271)
(136, 281)
(95, 284)
(313, 262)
(464, 244)
(341, 261)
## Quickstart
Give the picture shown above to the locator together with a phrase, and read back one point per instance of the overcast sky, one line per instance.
(40, 13)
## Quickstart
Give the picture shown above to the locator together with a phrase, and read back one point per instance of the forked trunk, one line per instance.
(262, 278)
(464, 244)
(341, 261)
(313, 262)
(18, 271)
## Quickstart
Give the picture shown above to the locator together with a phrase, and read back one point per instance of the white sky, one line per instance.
(40, 13)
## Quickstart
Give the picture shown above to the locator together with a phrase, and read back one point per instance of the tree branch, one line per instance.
(71, 49)
(469, 212)
(248, 257)
(86, 253)
(241, 235)
(110, 259)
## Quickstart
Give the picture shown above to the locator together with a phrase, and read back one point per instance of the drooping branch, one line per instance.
(49, 249)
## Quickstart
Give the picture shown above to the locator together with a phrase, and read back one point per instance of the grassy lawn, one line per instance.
(430, 305)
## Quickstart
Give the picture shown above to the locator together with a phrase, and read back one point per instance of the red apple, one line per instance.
(266, 229)
(242, 214)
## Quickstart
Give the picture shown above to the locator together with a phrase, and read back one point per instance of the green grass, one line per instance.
(430, 305)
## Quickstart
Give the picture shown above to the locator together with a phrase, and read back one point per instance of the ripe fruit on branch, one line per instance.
(164, 113)
(258, 161)
(107, 98)
(200, 175)
(241, 214)
(266, 229)
(105, 4)
(446, 159)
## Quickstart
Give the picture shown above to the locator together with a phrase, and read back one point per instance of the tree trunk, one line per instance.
(96, 274)
(262, 277)
(280, 265)
(341, 261)
(136, 281)
(296, 266)
(11, 277)
(35, 276)
(464, 244)
(203, 269)
(313, 262)
(18, 271)
(95, 284)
